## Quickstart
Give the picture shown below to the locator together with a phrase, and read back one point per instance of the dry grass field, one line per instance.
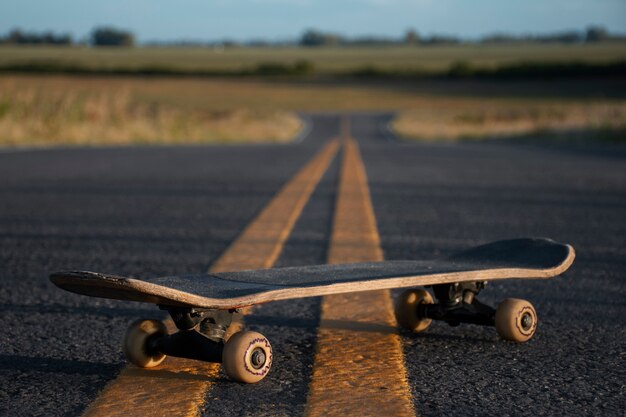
(66, 110)
(131, 110)
(483, 119)
(324, 60)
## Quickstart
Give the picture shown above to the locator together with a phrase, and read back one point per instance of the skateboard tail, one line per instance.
(113, 287)
(536, 253)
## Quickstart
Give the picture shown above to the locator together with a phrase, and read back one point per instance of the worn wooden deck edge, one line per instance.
(137, 290)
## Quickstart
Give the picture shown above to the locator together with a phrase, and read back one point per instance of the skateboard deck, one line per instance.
(518, 258)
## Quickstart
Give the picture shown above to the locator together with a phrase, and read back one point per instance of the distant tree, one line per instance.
(411, 37)
(316, 38)
(108, 36)
(502, 38)
(596, 34)
(370, 41)
(229, 43)
(571, 36)
(17, 37)
(312, 38)
(442, 40)
(54, 39)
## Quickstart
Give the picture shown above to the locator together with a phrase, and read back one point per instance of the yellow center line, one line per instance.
(359, 365)
(178, 386)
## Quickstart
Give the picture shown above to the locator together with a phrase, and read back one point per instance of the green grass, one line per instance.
(328, 60)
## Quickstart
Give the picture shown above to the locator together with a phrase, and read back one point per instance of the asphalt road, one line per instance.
(163, 210)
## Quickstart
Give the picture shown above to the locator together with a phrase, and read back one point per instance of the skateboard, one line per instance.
(202, 305)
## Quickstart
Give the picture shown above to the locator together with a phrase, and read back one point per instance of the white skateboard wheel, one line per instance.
(136, 343)
(406, 310)
(516, 320)
(247, 357)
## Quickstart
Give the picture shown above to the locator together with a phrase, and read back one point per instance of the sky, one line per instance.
(287, 19)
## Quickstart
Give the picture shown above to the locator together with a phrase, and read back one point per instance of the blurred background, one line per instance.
(131, 72)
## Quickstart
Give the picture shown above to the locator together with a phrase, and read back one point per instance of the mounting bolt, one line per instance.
(258, 358)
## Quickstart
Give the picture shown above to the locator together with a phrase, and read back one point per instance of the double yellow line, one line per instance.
(358, 366)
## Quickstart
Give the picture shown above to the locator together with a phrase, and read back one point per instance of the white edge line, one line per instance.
(385, 128)
(306, 129)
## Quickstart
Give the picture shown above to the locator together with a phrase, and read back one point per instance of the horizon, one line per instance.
(281, 20)
(295, 39)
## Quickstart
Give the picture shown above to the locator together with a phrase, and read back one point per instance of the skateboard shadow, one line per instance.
(158, 373)
(351, 325)
(67, 366)
(358, 326)
(82, 311)
(444, 337)
(265, 320)
(54, 365)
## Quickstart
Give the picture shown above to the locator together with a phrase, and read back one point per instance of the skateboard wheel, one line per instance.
(136, 341)
(516, 320)
(407, 314)
(247, 357)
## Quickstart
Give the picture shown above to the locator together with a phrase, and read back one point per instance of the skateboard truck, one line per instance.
(200, 334)
(212, 323)
(246, 356)
(458, 304)
(514, 319)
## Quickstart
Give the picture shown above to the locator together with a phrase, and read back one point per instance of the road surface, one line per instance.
(151, 211)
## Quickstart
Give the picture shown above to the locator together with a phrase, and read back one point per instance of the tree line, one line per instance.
(313, 37)
(110, 36)
(100, 36)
